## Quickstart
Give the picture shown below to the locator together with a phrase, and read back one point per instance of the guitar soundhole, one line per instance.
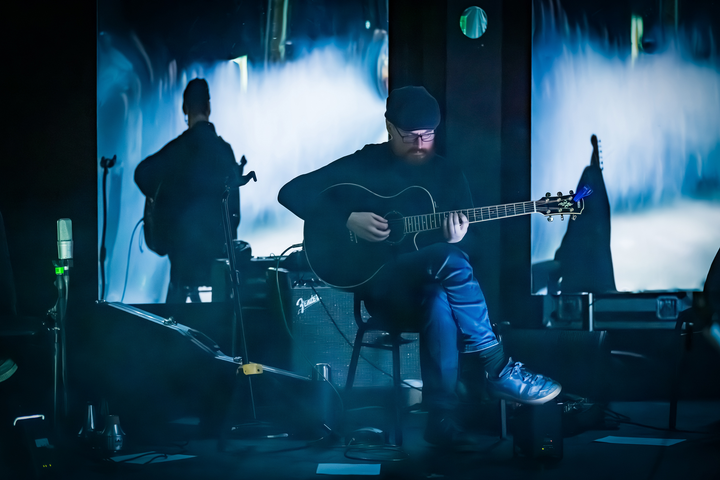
(397, 227)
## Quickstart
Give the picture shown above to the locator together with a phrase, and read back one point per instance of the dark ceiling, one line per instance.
(195, 30)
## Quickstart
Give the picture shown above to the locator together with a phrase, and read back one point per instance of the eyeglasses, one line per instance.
(412, 137)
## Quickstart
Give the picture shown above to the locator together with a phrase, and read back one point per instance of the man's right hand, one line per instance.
(368, 226)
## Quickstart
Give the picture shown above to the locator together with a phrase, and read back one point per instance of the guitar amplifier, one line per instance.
(323, 327)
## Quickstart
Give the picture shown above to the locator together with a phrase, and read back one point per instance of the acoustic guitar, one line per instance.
(344, 261)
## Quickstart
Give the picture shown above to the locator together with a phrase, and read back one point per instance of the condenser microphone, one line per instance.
(64, 239)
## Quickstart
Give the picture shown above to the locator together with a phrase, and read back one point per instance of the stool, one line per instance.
(379, 324)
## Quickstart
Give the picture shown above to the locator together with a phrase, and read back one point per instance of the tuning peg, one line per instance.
(562, 217)
(559, 194)
(574, 217)
(550, 219)
(571, 192)
(547, 194)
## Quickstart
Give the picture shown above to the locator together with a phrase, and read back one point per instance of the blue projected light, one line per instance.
(658, 117)
(287, 119)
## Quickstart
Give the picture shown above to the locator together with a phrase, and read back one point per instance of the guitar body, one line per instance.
(155, 225)
(344, 261)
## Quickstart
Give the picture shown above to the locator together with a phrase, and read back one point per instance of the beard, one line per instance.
(412, 153)
(418, 152)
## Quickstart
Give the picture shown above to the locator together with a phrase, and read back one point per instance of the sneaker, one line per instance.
(518, 384)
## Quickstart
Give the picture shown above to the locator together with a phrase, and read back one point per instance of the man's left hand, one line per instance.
(455, 227)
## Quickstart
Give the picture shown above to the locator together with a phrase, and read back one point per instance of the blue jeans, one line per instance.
(433, 291)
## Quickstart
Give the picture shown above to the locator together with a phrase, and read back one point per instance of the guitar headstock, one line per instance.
(596, 157)
(561, 205)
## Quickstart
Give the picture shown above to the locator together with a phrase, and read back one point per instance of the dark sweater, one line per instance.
(378, 169)
(191, 172)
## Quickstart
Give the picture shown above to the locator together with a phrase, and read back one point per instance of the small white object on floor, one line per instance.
(348, 469)
(659, 442)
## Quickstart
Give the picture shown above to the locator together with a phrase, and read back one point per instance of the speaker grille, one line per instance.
(324, 330)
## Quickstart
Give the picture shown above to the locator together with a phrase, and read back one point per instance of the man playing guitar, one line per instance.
(425, 282)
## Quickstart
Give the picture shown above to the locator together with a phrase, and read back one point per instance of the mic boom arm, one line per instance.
(202, 341)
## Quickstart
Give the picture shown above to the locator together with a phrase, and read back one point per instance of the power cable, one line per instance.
(283, 314)
(127, 266)
(347, 340)
(620, 418)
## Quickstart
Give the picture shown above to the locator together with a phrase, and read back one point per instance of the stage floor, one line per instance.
(189, 454)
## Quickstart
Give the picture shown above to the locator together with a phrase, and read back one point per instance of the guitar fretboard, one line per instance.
(432, 221)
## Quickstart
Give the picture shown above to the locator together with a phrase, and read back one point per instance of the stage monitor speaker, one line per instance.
(323, 326)
(148, 373)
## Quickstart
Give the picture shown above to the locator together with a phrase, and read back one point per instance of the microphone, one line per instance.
(64, 239)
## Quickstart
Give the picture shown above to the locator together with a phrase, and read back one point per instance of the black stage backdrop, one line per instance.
(48, 149)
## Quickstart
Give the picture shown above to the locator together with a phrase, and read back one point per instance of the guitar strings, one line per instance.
(431, 221)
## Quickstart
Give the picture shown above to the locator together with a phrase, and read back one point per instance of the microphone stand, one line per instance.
(58, 314)
(248, 368)
(106, 164)
(234, 273)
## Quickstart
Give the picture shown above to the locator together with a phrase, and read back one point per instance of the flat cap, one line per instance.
(412, 108)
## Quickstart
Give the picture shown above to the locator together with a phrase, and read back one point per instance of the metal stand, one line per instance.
(234, 272)
(321, 373)
(503, 420)
(58, 313)
(106, 164)
(202, 341)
